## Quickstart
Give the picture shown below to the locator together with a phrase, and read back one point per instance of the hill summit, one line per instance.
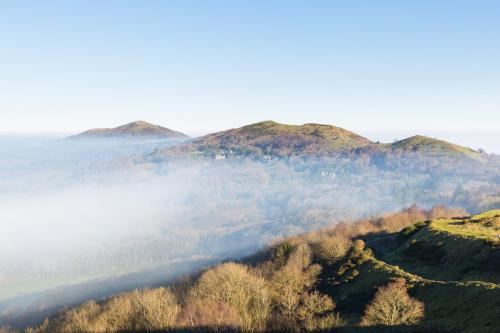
(272, 138)
(136, 129)
(435, 147)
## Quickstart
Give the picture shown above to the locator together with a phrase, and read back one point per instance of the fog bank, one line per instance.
(75, 211)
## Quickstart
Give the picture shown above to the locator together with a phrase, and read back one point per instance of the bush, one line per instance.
(358, 245)
(298, 307)
(300, 257)
(283, 251)
(85, 318)
(152, 309)
(316, 312)
(234, 285)
(199, 313)
(393, 306)
(333, 248)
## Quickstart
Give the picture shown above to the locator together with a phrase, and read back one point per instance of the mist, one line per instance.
(74, 212)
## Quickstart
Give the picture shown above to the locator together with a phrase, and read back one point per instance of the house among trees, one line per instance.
(220, 156)
(328, 173)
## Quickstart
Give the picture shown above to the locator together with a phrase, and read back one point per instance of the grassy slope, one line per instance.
(269, 137)
(484, 226)
(468, 306)
(460, 291)
(434, 147)
(450, 249)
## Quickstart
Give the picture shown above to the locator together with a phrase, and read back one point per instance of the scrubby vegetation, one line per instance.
(392, 306)
(347, 278)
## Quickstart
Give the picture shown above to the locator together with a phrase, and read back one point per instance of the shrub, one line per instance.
(333, 248)
(358, 245)
(143, 310)
(297, 307)
(293, 279)
(412, 229)
(200, 313)
(393, 306)
(283, 251)
(234, 285)
(154, 309)
(84, 318)
(313, 306)
(300, 257)
(329, 321)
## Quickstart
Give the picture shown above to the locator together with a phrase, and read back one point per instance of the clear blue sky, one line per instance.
(200, 66)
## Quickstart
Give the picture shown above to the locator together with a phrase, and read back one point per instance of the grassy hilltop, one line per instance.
(271, 138)
(432, 147)
(274, 140)
(440, 266)
(136, 129)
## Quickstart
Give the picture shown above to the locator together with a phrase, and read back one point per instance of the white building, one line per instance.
(220, 156)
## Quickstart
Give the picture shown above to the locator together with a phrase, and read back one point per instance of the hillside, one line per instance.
(450, 264)
(136, 129)
(269, 139)
(334, 279)
(433, 147)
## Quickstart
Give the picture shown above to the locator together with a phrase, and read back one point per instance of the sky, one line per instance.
(202, 66)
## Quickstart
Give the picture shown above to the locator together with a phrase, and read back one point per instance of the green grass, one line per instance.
(447, 249)
(457, 306)
(450, 267)
(326, 132)
(269, 137)
(435, 147)
(483, 226)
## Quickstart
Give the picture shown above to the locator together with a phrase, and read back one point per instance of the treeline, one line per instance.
(277, 289)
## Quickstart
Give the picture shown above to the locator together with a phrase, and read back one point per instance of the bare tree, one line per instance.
(332, 248)
(236, 286)
(393, 306)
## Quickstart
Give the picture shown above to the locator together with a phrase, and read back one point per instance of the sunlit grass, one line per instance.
(484, 226)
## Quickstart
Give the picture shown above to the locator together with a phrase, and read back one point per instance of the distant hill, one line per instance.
(136, 129)
(270, 139)
(430, 146)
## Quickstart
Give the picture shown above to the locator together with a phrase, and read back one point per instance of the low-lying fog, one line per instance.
(74, 211)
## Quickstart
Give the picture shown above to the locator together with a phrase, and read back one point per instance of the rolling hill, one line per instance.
(433, 147)
(269, 139)
(136, 129)
(326, 280)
